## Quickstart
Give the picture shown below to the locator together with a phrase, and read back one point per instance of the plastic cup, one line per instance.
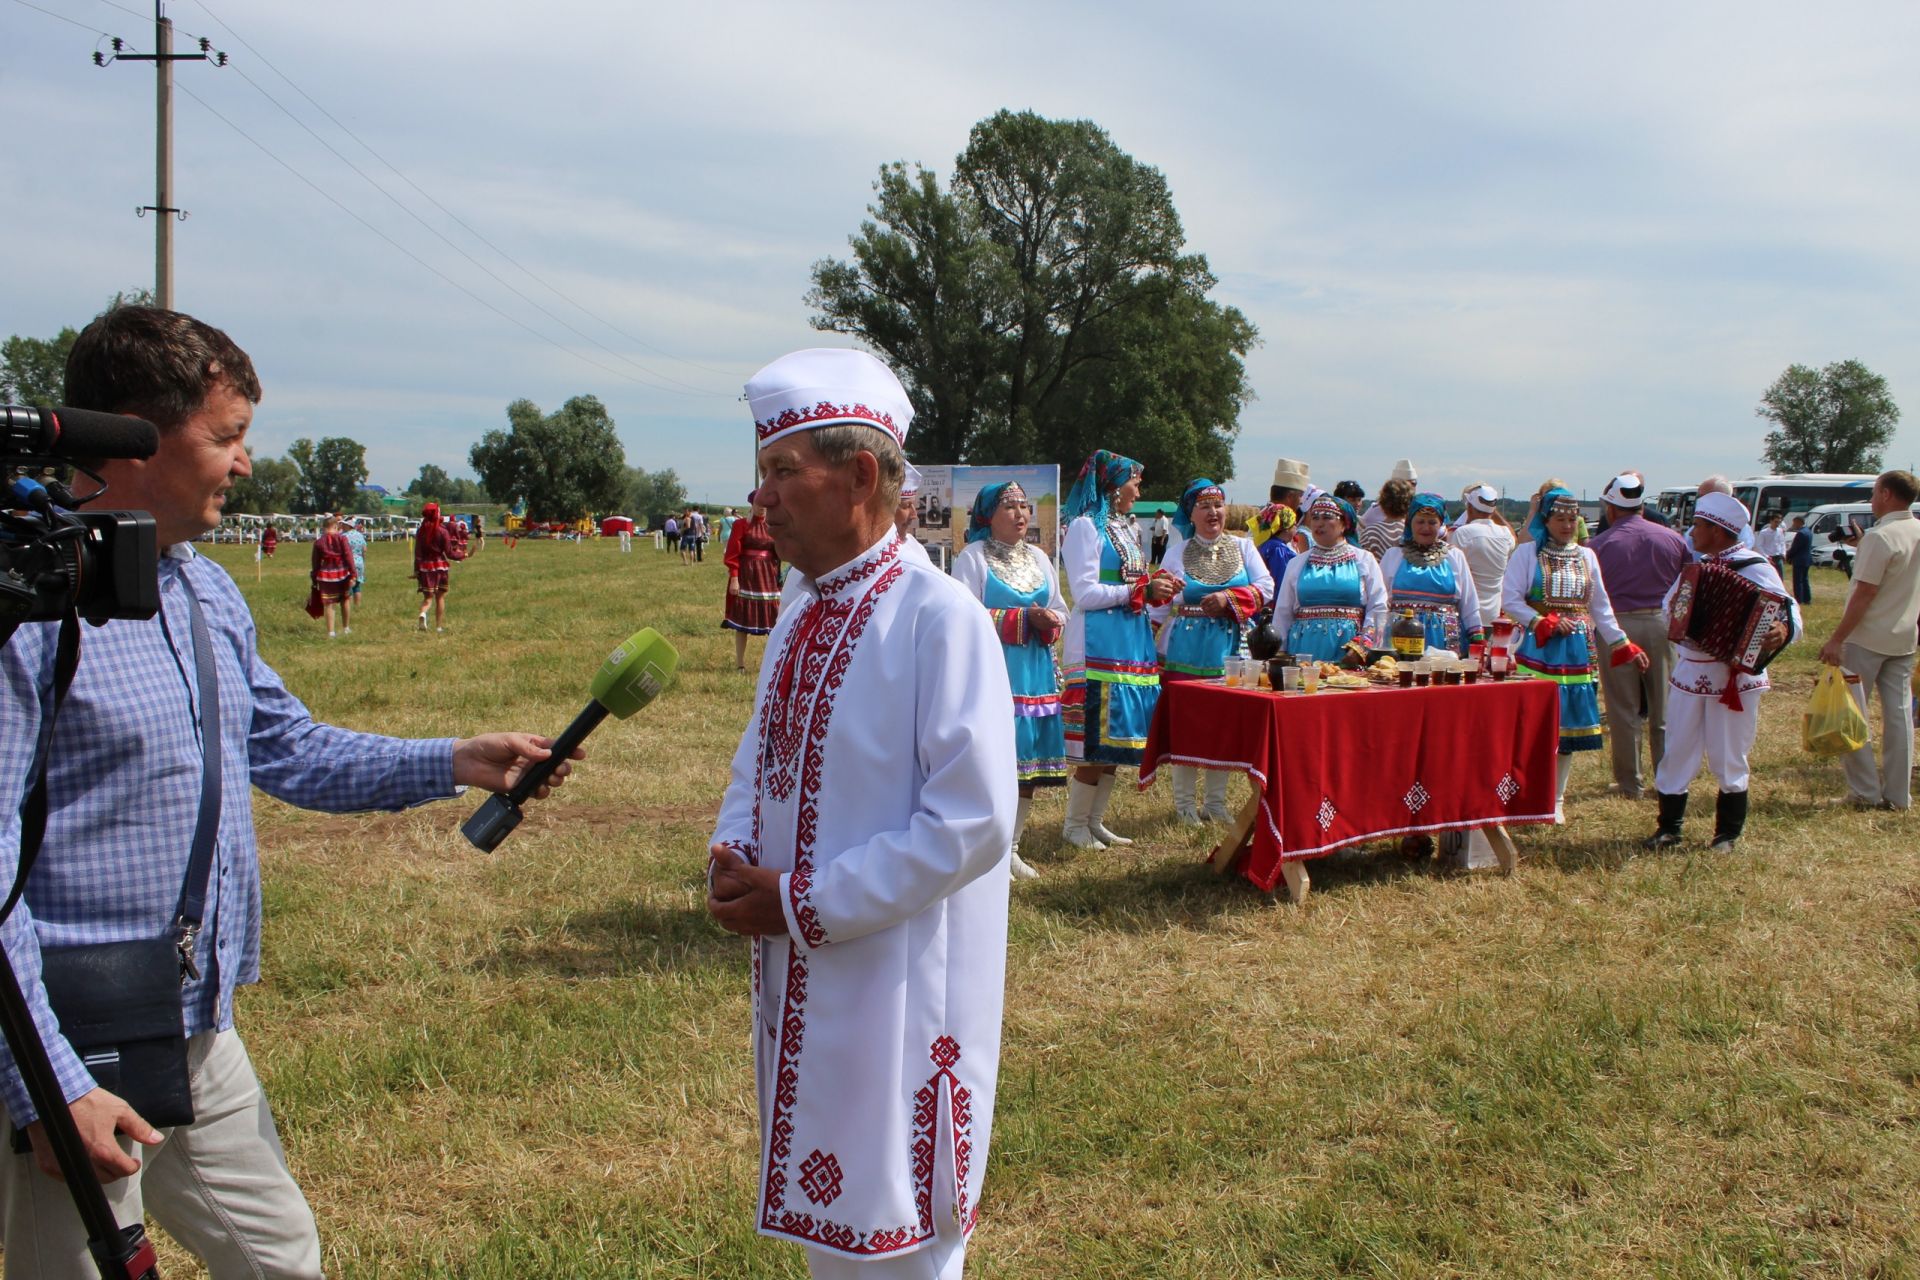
(1290, 679)
(1406, 677)
(1309, 679)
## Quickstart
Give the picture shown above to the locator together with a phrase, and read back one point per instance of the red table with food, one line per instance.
(1339, 767)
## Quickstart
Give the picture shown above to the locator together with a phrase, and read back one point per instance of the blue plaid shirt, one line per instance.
(124, 793)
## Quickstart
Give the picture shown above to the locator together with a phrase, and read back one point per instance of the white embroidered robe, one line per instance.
(878, 777)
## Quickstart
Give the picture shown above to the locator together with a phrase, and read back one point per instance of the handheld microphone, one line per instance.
(75, 433)
(632, 676)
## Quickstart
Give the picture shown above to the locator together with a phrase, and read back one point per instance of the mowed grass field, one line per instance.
(536, 1062)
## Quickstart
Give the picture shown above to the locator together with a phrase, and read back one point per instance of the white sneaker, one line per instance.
(422, 620)
(1021, 871)
(346, 631)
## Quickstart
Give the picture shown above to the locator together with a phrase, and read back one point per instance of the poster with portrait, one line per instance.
(947, 494)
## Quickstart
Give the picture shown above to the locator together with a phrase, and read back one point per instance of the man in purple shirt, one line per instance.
(1638, 561)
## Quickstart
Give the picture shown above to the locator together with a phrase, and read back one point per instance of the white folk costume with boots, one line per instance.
(878, 777)
(1702, 719)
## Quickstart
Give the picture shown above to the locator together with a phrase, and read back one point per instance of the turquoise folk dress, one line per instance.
(1198, 645)
(1428, 582)
(1009, 581)
(1329, 602)
(1564, 582)
(1113, 669)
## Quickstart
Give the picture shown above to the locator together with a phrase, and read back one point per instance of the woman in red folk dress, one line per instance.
(333, 574)
(430, 566)
(753, 581)
(269, 541)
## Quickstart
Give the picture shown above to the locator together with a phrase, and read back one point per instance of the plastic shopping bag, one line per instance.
(1833, 724)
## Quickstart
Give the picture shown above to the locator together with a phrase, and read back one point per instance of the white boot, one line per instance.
(1021, 871)
(1216, 807)
(1185, 812)
(1103, 793)
(1562, 771)
(1076, 830)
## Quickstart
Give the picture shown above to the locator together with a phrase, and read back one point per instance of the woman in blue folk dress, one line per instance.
(1553, 589)
(1112, 668)
(1434, 580)
(1017, 584)
(1332, 599)
(1222, 583)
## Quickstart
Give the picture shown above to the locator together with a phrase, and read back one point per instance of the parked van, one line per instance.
(1825, 521)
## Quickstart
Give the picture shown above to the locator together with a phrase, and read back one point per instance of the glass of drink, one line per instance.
(1309, 677)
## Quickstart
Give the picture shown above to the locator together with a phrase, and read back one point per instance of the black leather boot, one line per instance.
(1673, 812)
(1729, 817)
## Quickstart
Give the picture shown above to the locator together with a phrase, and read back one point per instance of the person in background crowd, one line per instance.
(1486, 540)
(1771, 542)
(1332, 602)
(1875, 641)
(862, 846)
(124, 784)
(1274, 526)
(670, 531)
(1555, 590)
(1222, 584)
(1402, 470)
(1161, 528)
(1639, 560)
(430, 568)
(1112, 668)
(1350, 492)
(332, 574)
(698, 519)
(1800, 556)
(1016, 582)
(1721, 485)
(689, 540)
(906, 518)
(358, 542)
(727, 522)
(1433, 579)
(1714, 710)
(753, 581)
(1389, 525)
(269, 541)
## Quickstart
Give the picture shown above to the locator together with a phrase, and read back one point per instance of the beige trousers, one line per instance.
(219, 1186)
(1637, 700)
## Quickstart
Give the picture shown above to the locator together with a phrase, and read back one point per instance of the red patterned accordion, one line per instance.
(1726, 616)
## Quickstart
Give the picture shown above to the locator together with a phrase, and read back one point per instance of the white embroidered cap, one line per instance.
(910, 484)
(1722, 509)
(825, 387)
(1483, 497)
(1625, 490)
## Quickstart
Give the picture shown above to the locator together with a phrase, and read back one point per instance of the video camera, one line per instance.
(54, 559)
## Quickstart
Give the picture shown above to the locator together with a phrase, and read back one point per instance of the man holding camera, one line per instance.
(128, 784)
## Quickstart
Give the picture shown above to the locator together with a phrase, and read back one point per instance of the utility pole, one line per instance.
(164, 213)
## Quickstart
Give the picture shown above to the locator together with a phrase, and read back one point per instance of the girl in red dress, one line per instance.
(430, 566)
(333, 574)
(753, 581)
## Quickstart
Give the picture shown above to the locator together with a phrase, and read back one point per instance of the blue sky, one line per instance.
(1506, 240)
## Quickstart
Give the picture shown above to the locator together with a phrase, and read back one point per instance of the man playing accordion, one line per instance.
(1727, 629)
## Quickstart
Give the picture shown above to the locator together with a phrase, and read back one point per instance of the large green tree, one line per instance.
(653, 495)
(1043, 306)
(566, 464)
(1839, 418)
(273, 487)
(329, 471)
(34, 370)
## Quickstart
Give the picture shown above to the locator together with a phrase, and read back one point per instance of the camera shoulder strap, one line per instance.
(206, 829)
(33, 810)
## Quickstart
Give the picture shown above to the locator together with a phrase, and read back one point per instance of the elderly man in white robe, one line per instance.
(1699, 717)
(863, 847)
(906, 518)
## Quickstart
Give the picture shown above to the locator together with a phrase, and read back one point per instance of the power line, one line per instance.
(331, 199)
(436, 233)
(63, 17)
(460, 222)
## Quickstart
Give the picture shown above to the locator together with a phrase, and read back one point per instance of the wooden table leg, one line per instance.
(1297, 881)
(1226, 854)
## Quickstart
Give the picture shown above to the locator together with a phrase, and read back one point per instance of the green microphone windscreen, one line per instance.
(635, 673)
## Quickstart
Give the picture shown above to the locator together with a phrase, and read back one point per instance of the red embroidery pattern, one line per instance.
(821, 1177)
(827, 412)
(926, 1106)
(820, 661)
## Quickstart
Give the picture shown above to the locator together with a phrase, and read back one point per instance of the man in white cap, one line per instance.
(1484, 538)
(1271, 528)
(1711, 708)
(863, 846)
(1639, 560)
(906, 517)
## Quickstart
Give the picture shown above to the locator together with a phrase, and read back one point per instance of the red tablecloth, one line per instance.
(1335, 768)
